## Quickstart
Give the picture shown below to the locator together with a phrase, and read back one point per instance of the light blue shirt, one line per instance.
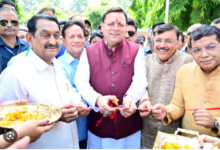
(69, 65)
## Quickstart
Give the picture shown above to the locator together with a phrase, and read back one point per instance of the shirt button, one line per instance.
(110, 53)
(113, 73)
(113, 62)
(113, 84)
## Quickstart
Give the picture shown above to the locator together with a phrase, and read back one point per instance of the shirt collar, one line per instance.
(69, 58)
(19, 42)
(147, 49)
(170, 60)
(39, 63)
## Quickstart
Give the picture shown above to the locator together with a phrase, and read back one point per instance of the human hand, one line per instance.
(69, 113)
(34, 129)
(144, 109)
(83, 110)
(129, 107)
(20, 144)
(209, 139)
(158, 112)
(203, 118)
(102, 102)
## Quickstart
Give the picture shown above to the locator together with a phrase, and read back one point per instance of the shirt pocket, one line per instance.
(128, 70)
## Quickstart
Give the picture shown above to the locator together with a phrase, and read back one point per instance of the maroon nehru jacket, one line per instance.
(111, 74)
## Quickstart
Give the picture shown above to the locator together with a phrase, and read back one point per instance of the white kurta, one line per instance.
(137, 89)
(33, 80)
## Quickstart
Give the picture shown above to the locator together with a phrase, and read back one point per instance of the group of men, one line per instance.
(158, 88)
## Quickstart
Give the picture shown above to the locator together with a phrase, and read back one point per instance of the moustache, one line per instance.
(9, 29)
(51, 46)
(163, 48)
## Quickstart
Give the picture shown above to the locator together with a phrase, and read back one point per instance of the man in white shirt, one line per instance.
(39, 78)
(113, 66)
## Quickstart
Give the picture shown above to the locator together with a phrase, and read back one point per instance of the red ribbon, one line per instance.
(112, 116)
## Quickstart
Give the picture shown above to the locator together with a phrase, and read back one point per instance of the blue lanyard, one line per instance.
(10, 51)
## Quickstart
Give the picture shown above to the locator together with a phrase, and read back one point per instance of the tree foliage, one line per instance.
(94, 14)
(182, 13)
(78, 6)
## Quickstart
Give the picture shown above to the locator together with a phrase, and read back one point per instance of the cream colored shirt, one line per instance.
(33, 80)
(194, 88)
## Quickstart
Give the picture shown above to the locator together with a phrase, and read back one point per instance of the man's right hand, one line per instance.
(158, 112)
(102, 102)
(34, 129)
(145, 105)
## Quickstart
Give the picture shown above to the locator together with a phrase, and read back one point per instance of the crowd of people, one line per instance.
(167, 81)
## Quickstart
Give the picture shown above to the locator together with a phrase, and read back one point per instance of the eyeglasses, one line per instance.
(5, 22)
(131, 33)
(112, 25)
(210, 48)
(141, 43)
(167, 41)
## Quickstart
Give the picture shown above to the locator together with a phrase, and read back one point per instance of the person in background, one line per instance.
(74, 17)
(47, 10)
(87, 32)
(10, 44)
(149, 49)
(99, 29)
(131, 34)
(181, 41)
(61, 24)
(22, 32)
(149, 37)
(140, 40)
(216, 23)
(95, 38)
(8, 3)
(74, 41)
(78, 17)
(189, 31)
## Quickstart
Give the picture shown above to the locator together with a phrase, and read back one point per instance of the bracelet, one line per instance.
(144, 100)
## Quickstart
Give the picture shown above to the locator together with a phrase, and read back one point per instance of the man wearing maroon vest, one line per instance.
(113, 66)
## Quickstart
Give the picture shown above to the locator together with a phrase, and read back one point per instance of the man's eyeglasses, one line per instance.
(141, 43)
(210, 48)
(131, 33)
(5, 22)
(112, 25)
(167, 41)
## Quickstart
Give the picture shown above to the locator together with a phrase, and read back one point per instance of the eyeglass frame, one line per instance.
(10, 22)
(114, 25)
(207, 51)
(173, 41)
(131, 31)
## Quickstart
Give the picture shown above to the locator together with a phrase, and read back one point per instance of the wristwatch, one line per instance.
(216, 125)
